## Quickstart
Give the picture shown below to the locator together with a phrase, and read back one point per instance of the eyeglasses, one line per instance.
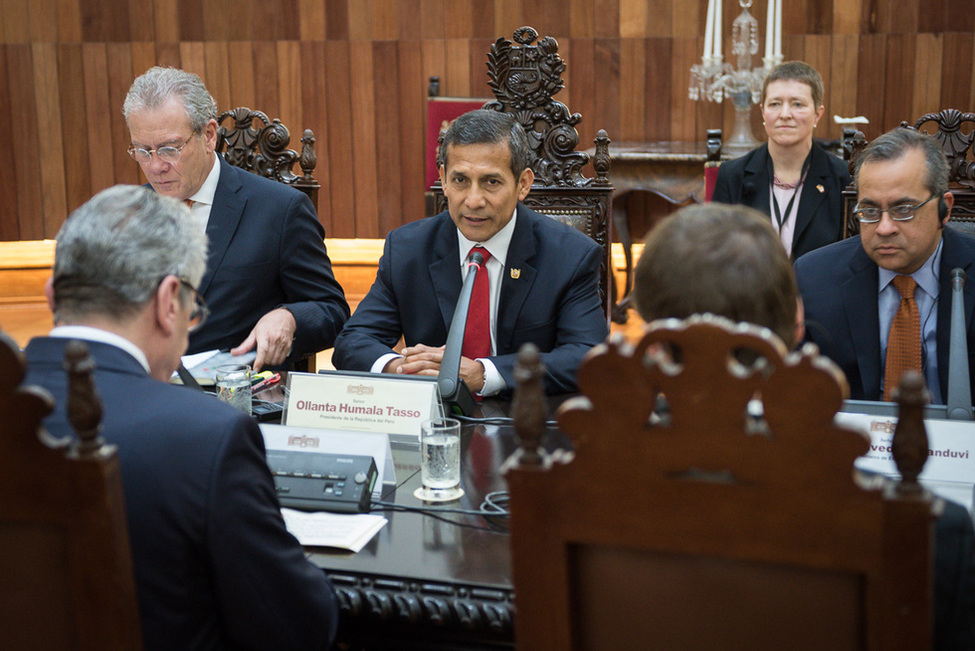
(167, 154)
(902, 212)
(200, 310)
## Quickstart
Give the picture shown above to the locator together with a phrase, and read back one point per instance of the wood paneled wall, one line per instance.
(355, 72)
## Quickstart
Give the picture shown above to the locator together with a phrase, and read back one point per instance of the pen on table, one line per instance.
(270, 381)
(259, 377)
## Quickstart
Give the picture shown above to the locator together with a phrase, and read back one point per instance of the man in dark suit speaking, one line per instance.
(215, 567)
(268, 280)
(542, 275)
(854, 290)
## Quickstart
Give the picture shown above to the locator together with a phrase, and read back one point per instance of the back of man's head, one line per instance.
(717, 258)
(114, 250)
(157, 85)
(487, 127)
(897, 142)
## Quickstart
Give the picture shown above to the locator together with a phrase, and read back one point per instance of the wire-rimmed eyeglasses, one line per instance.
(200, 310)
(902, 212)
(167, 154)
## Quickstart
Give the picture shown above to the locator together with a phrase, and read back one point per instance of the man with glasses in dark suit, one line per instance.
(268, 279)
(853, 290)
(214, 566)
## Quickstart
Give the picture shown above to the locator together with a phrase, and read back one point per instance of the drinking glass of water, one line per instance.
(440, 461)
(234, 386)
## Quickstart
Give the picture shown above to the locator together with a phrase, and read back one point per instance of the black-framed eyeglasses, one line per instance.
(200, 312)
(902, 212)
(167, 154)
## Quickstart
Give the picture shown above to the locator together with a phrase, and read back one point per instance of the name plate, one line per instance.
(951, 447)
(384, 404)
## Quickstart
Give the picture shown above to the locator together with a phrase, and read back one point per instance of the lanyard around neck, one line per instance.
(779, 217)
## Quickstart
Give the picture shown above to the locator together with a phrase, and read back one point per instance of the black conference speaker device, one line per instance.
(454, 392)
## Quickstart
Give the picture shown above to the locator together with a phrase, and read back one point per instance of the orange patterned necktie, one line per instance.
(904, 340)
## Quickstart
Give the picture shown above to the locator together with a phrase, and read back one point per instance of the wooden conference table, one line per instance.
(423, 583)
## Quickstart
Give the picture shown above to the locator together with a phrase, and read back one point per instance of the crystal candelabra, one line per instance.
(713, 80)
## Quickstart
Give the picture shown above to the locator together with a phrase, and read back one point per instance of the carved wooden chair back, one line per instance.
(710, 501)
(524, 78)
(264, 149)
(66, 565)
(712, 163)
(956, 133)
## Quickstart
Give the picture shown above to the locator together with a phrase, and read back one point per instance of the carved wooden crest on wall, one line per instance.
(524, 77)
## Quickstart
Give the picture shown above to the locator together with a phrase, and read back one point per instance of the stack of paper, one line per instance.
(341, 531)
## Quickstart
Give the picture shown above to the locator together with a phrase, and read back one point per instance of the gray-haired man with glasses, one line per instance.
(215, 567)
(868, 295)
(268, 279)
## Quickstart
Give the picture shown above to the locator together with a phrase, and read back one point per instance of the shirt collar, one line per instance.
(497, 246)
(102, 336)
(209, 188)
(926, 276)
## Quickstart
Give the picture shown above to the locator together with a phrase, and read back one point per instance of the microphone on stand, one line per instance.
(959, 400)
(454, 392)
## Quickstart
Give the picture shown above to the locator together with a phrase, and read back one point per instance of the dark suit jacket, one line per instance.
(954, 580)
(215, 567)
(266, 251)
(553, 303)
(838, 285)
(819, 220)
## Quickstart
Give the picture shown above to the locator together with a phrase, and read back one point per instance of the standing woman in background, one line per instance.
(796, 184)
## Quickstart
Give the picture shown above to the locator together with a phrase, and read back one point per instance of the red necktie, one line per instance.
(477, 334)
(904, 339)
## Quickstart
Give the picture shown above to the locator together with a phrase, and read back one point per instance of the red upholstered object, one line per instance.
(710, 180)
(441, 111)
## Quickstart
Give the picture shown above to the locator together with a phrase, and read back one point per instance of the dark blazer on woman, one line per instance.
(819, 221)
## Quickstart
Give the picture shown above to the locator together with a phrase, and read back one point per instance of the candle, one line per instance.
(778, 28)
(769, 29)
(717, 29)
(709, 30)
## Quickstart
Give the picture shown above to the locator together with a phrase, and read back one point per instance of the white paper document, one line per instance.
(338, 530)
(203, 366)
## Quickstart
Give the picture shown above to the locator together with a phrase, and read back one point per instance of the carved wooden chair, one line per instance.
(949, 128)
(264, 149)
(701, 521)
(66, 566)
(524, 77)
(712, 163)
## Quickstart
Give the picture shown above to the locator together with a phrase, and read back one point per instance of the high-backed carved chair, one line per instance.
(524, 77)
(264, 149)
(65, 563)
(948, 126)
(702, 522)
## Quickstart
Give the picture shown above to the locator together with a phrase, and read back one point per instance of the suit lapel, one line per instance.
(756, 174)
(859, 294)
(812, 198)
(514, 290)
(445, 273)
(225, 214)
(952, 256)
